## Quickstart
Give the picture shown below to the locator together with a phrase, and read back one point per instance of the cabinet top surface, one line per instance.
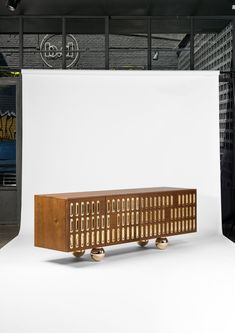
(74, 195)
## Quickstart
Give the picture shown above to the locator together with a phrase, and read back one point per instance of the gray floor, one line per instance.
(7, 233)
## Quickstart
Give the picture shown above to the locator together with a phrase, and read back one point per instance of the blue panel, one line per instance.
(7, 157)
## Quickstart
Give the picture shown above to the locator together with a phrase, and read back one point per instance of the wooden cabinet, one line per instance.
(92, 220)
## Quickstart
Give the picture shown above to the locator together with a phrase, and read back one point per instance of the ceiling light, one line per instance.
(233, 7)
(12, 4)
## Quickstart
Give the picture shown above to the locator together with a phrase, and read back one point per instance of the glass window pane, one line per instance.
(213, 45)
(128, 44)
(9, 44)
(85, 43)
(42, 43)
(170, 44)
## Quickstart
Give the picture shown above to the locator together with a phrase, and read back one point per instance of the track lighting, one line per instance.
(12, 4)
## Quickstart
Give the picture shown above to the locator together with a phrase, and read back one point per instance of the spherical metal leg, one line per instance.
(97, 254)
(143, 242)
(78, 254)
(161, 243)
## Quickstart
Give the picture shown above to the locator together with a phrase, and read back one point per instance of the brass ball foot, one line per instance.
(97, 254)
(143, 242)
(161, 243)
(78, 254)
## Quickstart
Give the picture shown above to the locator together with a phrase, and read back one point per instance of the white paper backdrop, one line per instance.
(89, 130)
(93, 130)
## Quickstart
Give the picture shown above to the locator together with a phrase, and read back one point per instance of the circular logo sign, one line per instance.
(51, 51)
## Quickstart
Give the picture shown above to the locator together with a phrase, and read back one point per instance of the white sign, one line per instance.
(51, 51)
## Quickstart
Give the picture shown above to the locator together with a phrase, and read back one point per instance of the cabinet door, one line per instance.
(86, 223)
(122, 215)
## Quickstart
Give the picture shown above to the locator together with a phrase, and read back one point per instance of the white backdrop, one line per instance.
(89, 130)
(100, 130)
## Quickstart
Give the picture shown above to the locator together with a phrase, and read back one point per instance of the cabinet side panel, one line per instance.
(50, 223)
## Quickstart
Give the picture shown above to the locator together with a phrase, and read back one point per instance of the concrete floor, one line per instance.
(7, 233)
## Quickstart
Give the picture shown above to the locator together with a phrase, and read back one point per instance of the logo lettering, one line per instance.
(51, 50)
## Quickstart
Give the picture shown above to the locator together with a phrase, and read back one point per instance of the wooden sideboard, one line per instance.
(75, 222)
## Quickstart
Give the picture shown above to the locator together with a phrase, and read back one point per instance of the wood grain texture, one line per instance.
(50, 223)
(85, 220)
(112, 192)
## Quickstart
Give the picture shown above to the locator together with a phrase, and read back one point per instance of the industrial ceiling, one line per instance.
(170, 12)
(121, 7)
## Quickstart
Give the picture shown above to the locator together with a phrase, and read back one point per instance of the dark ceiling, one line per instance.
(121, 7)
(114, 8)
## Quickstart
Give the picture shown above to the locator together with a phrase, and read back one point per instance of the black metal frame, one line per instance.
(148, 19)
